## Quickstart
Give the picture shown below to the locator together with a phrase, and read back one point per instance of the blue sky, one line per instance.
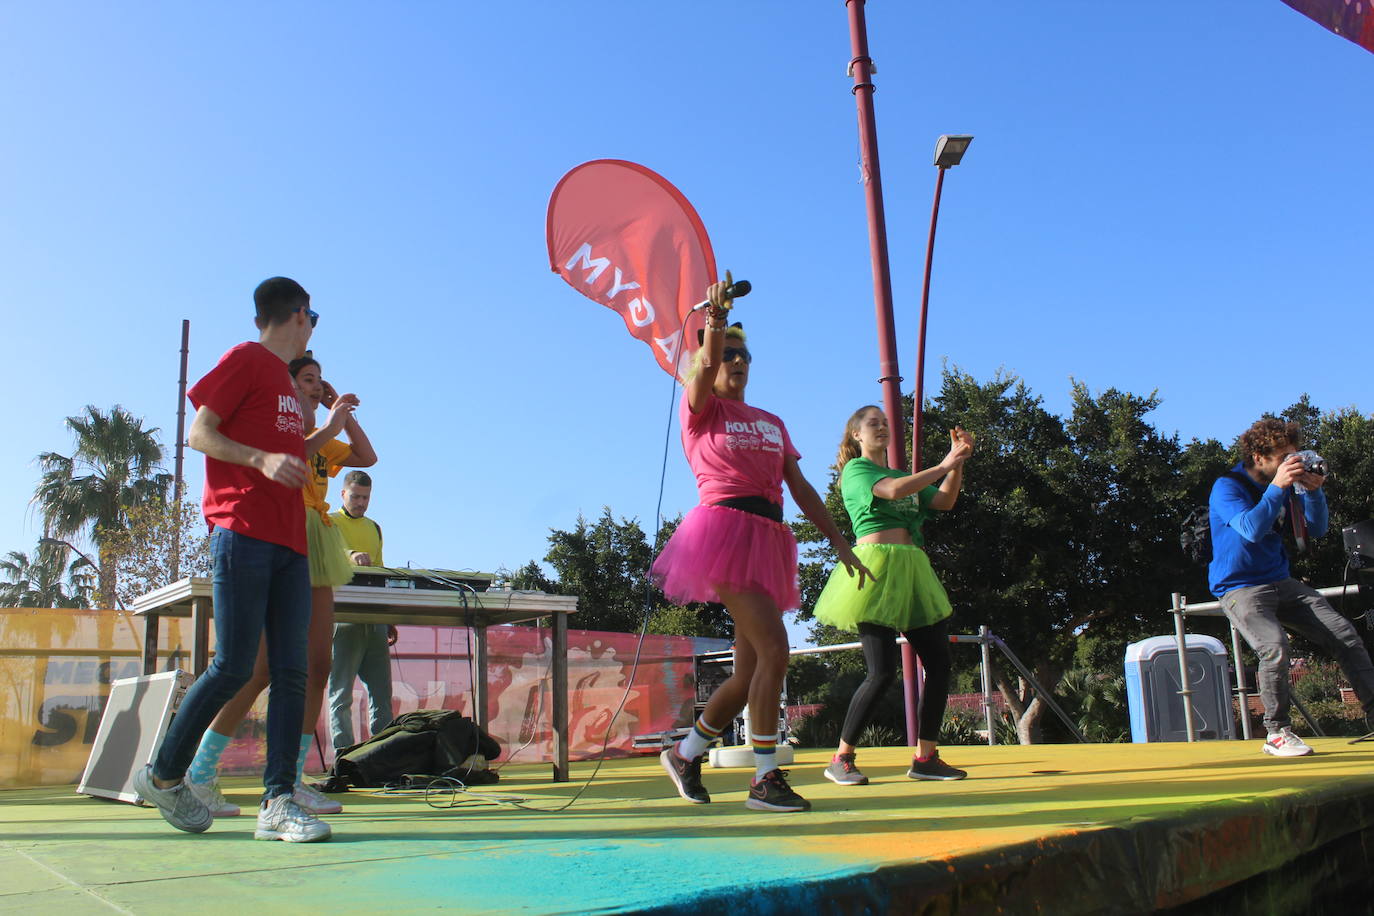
(1170, 196)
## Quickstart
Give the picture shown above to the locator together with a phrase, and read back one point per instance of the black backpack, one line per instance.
(1195, 534)
(436, 742)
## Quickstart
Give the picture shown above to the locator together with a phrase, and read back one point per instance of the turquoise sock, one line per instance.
(305, 752)
(205, 767)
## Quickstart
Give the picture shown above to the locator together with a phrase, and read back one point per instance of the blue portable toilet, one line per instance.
(1153, 684)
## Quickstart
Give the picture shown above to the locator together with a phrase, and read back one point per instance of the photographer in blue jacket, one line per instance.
(1249, 571)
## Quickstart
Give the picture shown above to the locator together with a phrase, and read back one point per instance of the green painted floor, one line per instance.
(630, 845)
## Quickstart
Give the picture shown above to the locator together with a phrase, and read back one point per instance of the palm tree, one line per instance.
(115, 466)
(39, 582)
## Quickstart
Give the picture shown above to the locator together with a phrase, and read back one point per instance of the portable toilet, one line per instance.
(1153, 685)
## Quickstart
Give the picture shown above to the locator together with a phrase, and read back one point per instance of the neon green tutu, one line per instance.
(329, 564)
(905, 596)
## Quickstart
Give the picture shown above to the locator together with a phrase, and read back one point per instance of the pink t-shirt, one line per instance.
(734, 450)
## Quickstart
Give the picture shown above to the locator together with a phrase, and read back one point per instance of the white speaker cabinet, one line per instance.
(136, 717)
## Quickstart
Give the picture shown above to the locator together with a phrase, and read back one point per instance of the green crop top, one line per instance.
(869, 513)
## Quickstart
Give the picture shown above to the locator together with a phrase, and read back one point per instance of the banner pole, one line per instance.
(861, 69)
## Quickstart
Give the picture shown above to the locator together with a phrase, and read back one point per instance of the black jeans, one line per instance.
(931, 645)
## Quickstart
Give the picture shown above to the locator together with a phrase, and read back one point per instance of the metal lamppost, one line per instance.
(949, 150)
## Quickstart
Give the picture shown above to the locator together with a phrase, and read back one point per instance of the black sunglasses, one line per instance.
(310, 313)
(731, 352)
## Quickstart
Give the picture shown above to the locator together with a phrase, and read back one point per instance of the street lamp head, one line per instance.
(950, 148)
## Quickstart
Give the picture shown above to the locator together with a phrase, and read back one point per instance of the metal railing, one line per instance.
(986, 641)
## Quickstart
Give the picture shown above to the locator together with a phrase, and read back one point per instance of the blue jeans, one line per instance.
(259, 588)
(360, 650)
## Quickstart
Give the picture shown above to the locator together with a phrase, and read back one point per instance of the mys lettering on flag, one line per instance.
(623, 236)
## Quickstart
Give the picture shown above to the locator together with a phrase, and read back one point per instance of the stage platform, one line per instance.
(1208, 827)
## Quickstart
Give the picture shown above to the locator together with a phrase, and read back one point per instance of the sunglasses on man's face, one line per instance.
(310, 313)
(741, 352)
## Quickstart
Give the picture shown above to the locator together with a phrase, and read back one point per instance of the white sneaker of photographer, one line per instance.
(313, 801)
(1283, 743)
(280, 818)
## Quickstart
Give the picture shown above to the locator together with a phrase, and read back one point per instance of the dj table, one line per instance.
(423, 606)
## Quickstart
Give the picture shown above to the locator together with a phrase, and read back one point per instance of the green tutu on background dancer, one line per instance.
(887, 509)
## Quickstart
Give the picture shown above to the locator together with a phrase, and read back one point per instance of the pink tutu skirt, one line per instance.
(716, 546)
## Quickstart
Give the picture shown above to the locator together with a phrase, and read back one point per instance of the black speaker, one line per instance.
(1359, 544)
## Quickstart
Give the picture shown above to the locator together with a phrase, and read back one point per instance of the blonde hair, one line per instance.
(731, 333)
(849, 446)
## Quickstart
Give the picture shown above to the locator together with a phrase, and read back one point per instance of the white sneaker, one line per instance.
(211, 797)
(280, 818)
(1283, 743)
(178, 805)
(313, 801)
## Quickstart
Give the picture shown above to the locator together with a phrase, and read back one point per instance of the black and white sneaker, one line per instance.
(772, 793)
(933, 768)
(686, 776)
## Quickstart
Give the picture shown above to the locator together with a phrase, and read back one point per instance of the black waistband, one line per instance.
(754, 505)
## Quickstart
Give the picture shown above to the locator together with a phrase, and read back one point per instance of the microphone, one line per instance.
(733, 291)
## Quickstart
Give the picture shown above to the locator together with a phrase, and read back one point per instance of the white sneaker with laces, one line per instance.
(211, 797)
(177, 804)
(1283, 743)
(314, 801)
(280, 818)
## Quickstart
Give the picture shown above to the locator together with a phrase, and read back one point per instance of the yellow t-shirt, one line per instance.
(360, 534)
(324, 464)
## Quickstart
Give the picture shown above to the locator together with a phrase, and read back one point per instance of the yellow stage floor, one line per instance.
(1056, 829)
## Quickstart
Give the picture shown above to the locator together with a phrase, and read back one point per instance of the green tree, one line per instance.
(1066, 527)
(141, 553)
(45, 579)
(606, 564)
(113, 468)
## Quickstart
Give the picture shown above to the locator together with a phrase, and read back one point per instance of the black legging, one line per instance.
(931, 645)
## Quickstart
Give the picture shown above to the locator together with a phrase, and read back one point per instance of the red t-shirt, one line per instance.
(250, 390)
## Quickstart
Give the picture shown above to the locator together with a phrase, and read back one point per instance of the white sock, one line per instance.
(695, 743)
(765, 753)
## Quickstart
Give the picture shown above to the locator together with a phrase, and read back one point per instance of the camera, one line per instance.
(1313, 463)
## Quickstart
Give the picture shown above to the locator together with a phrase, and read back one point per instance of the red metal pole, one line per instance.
(861, 68)
(918, 399)
(177, 479)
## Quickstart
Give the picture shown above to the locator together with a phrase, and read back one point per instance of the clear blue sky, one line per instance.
(1173, 195)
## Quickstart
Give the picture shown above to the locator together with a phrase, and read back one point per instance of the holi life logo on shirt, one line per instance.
(290, 420)
(759, 435)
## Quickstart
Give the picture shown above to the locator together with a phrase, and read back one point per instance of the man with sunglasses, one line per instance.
(249, 425)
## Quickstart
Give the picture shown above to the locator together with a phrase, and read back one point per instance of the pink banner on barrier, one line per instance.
(56, 667)
(432, 666)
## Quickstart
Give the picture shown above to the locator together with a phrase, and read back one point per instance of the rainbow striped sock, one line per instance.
(765, 753)
(695, 743)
